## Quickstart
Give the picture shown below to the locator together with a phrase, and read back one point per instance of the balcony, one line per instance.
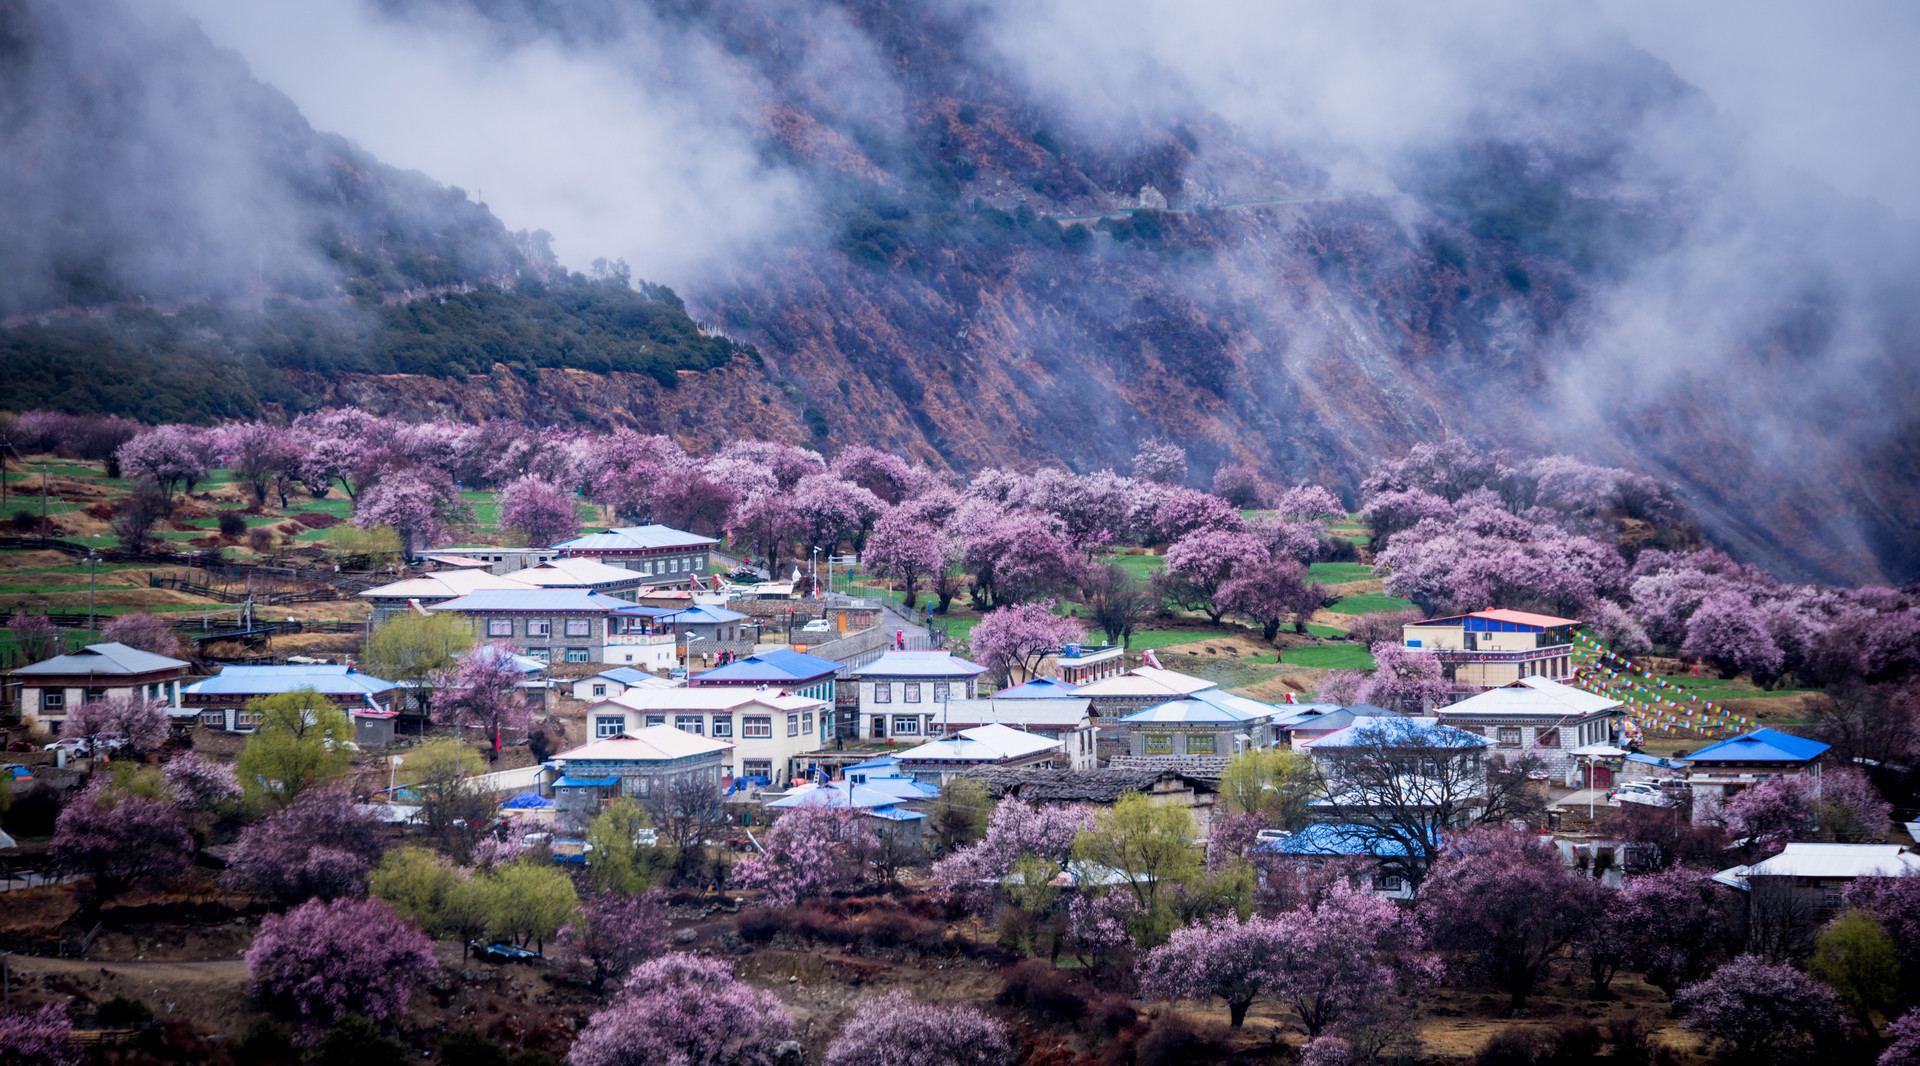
(634, 640)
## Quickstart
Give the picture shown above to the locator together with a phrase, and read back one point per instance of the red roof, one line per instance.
(1522, 618)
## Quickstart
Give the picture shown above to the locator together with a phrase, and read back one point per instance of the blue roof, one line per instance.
(1227, 701)
(586, 782)
(1762, 745)
(1341, 718)
(271, 680)
(634, 538)
(885, 763)
(527, 801)
(897, 814)
(1190, 710)
(1040, 688)
(702, 615)
(774, 667)
(1332, 840)
(1425, 731)
(919, 664)
(567, 601)
(1287, 715)
(626, 675)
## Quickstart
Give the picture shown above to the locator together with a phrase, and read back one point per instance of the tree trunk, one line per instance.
(1237, 1012)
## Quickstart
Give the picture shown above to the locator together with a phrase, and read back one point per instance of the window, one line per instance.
(806, 722)
(499, 627)
(906, 725)
(609, 725)
(883, 692)
(913, 692)
(248, 720)
(1509, 736)
(939, 692)
(656, 719)
(1200, 744)
(51, 700)
(213, 719)
(579, 627)
(793, 725)
(544, 654)
(578, 655)
(761, 767)
(673, 566)
(688, 723)
(1387, 883)
(1547, 738)
(539, 627)
(1159, 743)
(599, 690)
(722, 725)
(752, 726)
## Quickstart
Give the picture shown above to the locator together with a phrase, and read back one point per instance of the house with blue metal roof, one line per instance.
(662, 555)
(902, 692)
(643, 764)
(793, 671)
(1361, 847)
(619, 679)
(568, 625)
(222, 698)
(1721, 770)
(1040, 688)
(1209, 722)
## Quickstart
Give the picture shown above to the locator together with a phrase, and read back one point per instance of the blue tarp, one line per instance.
(527, 801)
(586, 782)
(741, 784)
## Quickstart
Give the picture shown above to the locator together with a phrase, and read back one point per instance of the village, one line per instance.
(1501, 764)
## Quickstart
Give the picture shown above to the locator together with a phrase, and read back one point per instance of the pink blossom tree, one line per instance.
(811, 853)
(257, 453)
(1270, 592)
(1016, 557)
(1905, 1048)
(1850, 810)
(1096, 509)
(1671, 917)
(683, 1010)
(1240, 485)
(322, 960)
(416, 503)
(1388, 514)
(765, 521)
(1200, 564)
(173, 457)
(831, 510)
(689, 498)
(906, 549)
(1100, 929)
(1176, 513)
(199, 784)
(1289, 539)
(117, 838)
(1015, 639)
(1504, 905)
(1727, 631)
(482, 692)
(1015, 829)
(1404, 678)
(1344, 687)
(1752, 1011)
(318, 847)
(884, 474)
(1310, 501)
(40, 1037)
(616, 933)
(1337, 961)
(35, 636)
(141, 722)
(1769, 814)
(1221, 958)
(148, 632)
(1894, 902)
(539, 511)
(896, 1030)
(1160, 460)
(344, 444)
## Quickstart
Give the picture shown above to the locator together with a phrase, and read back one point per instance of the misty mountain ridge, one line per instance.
(1006, 265)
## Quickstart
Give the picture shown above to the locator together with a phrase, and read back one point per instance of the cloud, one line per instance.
(644, 146)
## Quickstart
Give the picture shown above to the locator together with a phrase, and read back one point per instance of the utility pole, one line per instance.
(43, 499)
(93, 561)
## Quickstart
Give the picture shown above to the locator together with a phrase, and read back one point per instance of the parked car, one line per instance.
(1641, 792)
(103, 742)
(818, 625)
(504, 952)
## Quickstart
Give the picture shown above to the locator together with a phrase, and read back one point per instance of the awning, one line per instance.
(586, 782)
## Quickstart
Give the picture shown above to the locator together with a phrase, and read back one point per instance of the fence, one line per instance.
(228, 594)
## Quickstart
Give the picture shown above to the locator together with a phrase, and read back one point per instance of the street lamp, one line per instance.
(816, 573)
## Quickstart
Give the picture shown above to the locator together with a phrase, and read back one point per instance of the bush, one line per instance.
(1037, 985)
(265, 1044)
(470, 1047)
(121, 1012)
(24, 521)
(232, 525)
(1172, 1042)
(260, 541)
(1110, 1014)
(355, 1042)
(756, 925)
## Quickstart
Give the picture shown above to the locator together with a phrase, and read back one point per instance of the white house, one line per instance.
(1069, 721)
(937, 762)
(51, 688)
(619, 679)
(901, 692)
(771, 731)
(1542, 717)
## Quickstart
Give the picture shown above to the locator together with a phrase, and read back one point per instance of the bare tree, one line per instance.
(1115, 601)
(134, 519)
(1400, 782)
(1512, 793)
(685, 811)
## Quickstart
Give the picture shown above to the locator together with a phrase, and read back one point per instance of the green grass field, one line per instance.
(1325, 632)
(1144, 639)
(1339, 573)
(1372, 603)
(1142, 567)
(1330, 657)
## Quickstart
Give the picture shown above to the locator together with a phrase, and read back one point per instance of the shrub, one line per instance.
(120, 1012)
(1111, 1013)
(470, 1047)
(260, 541)
(355, 1042)
(1172, 1042)
(1037, 985)
(756, 925)
(266, 1043)
(232, 525)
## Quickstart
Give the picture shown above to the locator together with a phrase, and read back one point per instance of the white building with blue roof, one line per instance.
(222, 699)
(1208, 722)
(902, 692)
(662, 555)
(1719, 771)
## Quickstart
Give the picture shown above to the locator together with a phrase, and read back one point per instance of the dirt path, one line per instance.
(213, 993)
